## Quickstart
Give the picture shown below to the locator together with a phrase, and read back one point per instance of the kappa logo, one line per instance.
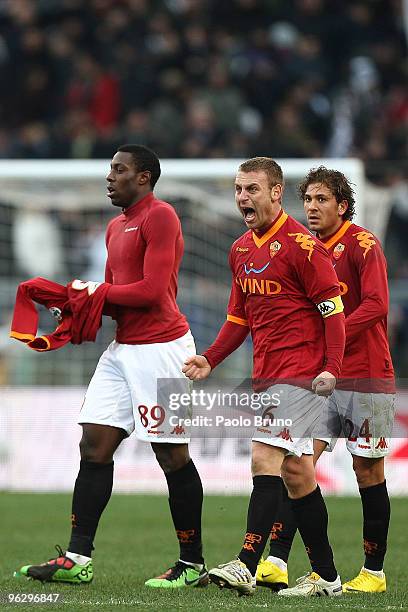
(382, 443)
(338, 250)
(132, 229)
(305, 241)
(365, 240)
(242, 249)
(285, 434)
(326, 307)
(79, 285)
(178, 430)
(274, 248)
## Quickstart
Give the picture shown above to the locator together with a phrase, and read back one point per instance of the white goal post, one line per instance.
(185, 170)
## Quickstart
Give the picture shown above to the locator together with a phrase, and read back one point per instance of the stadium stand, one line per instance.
(202, 78)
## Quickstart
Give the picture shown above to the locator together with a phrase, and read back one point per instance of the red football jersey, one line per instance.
(145, 246)
(362, 272)
(278, 281)
(78, 307)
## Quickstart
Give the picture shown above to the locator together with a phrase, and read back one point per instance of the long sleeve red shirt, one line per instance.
(280, 282)
(362, 272)
(145, 246)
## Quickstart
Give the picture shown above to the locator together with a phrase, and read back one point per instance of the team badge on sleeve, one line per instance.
(274, 248)
(330, 307)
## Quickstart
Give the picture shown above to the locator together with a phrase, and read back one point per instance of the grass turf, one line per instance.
(135, 541)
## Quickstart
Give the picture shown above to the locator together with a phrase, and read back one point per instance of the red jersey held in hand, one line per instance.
(77, 307)
(283, 282)
(362, 271)
(145, 246)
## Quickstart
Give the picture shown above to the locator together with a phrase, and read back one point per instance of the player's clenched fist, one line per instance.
(196, 367)
(324, 384)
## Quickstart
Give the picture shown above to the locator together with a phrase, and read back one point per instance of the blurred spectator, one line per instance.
(96, 91)
(224, 98)
(185, 75)
(34, 231)
(287, 136)
(203, 137)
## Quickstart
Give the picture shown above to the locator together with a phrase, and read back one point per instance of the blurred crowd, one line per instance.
(204, 78)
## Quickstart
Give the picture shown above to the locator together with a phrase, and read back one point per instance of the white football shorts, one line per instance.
(125, 391)
(292, 421)
(364, 419)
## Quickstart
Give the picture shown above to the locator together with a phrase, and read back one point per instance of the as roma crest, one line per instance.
(338, 250)
(274, 248)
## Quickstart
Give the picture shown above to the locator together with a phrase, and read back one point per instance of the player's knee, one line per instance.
(171, 457)
(369, 472)
(266, 459)
(292, 475)
(258, 466)
(90, 453)
(299, 475)
(99, 443)
(94, 450)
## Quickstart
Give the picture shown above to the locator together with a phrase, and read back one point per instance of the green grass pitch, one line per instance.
(135, 541)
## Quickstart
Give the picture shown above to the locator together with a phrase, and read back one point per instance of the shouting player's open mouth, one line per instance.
(248, 213)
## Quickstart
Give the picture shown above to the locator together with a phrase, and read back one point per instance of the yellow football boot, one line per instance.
(270, 575)
(366, 582)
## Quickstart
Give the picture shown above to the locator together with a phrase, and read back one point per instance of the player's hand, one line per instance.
(196, 367)
(324, 384)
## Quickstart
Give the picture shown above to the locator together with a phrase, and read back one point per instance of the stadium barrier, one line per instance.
(39, 451)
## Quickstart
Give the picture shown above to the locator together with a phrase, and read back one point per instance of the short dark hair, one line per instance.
(144, 159)
(338, 184)
(268, 165)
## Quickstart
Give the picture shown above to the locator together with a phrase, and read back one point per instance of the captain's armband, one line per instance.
(330, 307)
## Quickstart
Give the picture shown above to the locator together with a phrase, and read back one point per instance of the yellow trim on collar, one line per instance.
(275, 227)
(340, 232)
